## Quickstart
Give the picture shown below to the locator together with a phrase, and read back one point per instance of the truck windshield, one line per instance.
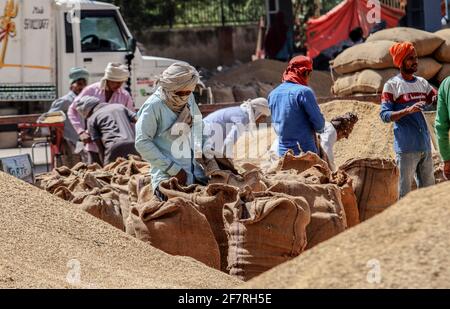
(101, 32)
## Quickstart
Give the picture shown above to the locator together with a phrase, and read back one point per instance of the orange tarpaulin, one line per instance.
(334, 27)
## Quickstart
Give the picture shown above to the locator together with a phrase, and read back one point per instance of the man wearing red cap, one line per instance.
(296, 116)
(404, 97)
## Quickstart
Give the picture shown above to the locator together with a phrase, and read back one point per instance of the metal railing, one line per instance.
(176, 14)
(397, 4)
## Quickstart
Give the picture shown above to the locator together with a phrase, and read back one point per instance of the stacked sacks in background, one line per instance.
(442, 54)
(365, 68)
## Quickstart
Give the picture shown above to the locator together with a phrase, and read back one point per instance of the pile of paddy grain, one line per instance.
(46, 242)
(404, 247)
(371, 138)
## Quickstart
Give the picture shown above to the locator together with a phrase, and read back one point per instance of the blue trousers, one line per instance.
(418, 165)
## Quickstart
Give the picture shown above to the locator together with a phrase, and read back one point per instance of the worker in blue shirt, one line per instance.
(296, 116)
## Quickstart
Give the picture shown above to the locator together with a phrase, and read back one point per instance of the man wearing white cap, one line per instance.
(108, 90)
(235, 121)
(170, 114)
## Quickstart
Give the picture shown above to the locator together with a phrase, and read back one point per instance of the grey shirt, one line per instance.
(62, 104)
(112, 124)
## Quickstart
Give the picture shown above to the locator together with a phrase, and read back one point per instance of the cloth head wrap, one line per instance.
(296, 69)
(115, 72)
(400, 52)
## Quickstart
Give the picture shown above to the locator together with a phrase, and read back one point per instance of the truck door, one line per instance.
(103, 39)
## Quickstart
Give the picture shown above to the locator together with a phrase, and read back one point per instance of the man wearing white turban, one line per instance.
(235, 121)
(170, 110)
(108, 90)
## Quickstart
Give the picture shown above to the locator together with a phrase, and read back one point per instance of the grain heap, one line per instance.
(371, 138)
(44, 239)
(408, 244)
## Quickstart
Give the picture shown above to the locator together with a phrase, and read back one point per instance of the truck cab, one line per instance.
(41, 40)
(91, 34)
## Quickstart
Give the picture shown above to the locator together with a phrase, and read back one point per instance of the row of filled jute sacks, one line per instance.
(365, 68)
(243, 224)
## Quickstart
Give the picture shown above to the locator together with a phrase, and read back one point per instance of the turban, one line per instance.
(296, 68)
(400, 51)
(115, 72)
(77, 74)
(86, 105)
(178, 77)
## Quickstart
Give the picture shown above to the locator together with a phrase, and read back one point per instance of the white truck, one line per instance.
(41, 40)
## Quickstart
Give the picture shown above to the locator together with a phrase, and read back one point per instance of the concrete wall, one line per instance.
(205, 47)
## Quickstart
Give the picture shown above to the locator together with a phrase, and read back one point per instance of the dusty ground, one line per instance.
(404, 247)
(43, 240)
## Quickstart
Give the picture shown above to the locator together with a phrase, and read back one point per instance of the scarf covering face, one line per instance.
(115, 72)
(400, 52)
(296, 68)
(86, 105)
(178, 77)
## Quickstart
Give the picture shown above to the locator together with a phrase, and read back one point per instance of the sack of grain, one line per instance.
(371, 55)
(375, 182)
(349, 201)
(442, 54)
(299, 163)
(314, 176)
(223, 94)
(428, 68)
(102, 204)
(328, 217)
(244, 93)
(443, 73)
(366, 81)
(264, 230)
(425, 43)
(209, 201)
(177, 228)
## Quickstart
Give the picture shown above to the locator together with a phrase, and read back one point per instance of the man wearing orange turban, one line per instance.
(296, 116)
(403, 99)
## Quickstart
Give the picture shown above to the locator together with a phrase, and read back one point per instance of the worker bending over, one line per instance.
(111, 127)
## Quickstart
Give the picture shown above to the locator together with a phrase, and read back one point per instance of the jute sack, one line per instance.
(366, 81)
(328, 217)
(349, 201)
(425, 43)
(442, 54)
(102, 204)
(223, 94)
(300, 163)
(209, 201)
(243, 93)
(314, 175)
(443, 73)
(177, 228)
(375, 182)
(263, 89)
(428, 68)
(264, 230)
(369, 55)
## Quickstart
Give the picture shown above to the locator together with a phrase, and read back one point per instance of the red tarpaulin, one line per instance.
(334, 27)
